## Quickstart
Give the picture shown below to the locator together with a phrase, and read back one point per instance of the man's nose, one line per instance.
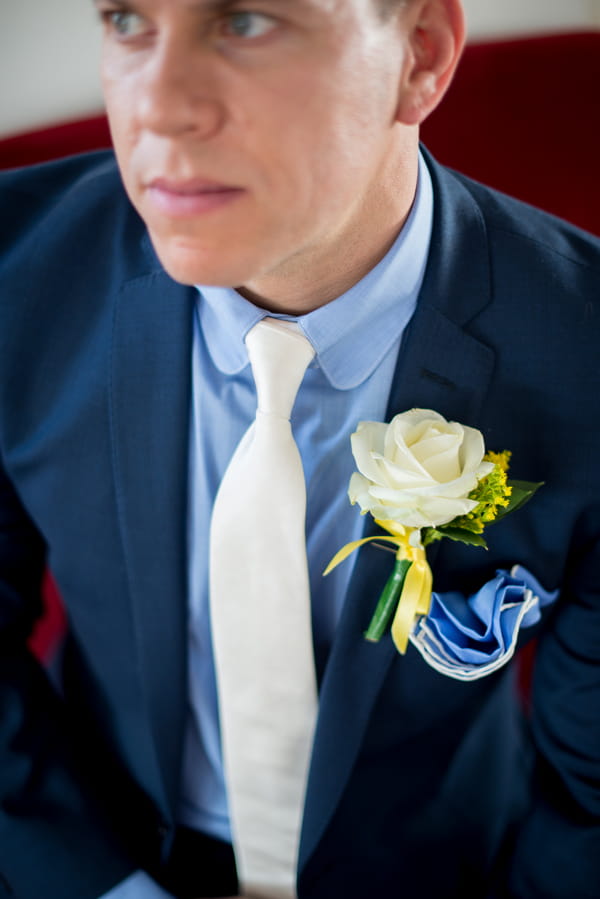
(180, 94)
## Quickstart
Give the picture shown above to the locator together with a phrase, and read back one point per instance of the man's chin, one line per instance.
(190, 264)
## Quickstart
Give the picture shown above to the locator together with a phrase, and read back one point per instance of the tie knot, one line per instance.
(279, 355)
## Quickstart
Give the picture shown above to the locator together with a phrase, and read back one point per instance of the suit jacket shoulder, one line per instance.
(75, 213)
(69, 241)
(508, 215)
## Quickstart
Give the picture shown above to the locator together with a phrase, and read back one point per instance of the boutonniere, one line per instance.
(423, 478)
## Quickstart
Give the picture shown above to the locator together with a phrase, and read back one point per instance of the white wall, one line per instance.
(49, 50)
(506, 17)
(48, 62)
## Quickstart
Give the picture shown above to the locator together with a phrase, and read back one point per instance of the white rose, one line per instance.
(417, 471)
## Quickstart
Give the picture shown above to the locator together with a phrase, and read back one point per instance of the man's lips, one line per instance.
(184, 199)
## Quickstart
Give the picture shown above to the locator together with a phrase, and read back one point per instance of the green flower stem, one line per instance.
(388, 601)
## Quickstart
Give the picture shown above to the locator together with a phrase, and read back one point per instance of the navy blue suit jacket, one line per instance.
(420, 785)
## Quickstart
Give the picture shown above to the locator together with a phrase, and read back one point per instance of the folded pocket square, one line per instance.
(469, 638)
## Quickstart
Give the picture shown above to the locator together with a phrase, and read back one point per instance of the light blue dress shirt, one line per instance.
(356, 338)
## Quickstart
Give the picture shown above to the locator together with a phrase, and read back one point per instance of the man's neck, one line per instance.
(322, 273)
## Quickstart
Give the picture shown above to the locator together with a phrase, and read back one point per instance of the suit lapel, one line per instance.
(441, 366)
(150, 397)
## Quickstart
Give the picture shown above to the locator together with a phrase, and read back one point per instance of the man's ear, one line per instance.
(434, 34)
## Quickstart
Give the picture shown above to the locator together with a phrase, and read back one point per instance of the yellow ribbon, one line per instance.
(415, 598)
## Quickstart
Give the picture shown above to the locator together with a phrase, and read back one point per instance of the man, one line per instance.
(270, 155)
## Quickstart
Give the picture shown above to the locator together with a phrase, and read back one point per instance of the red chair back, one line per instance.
(524, 116)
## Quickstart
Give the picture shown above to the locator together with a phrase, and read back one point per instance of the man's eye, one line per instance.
(125, 24)
(248, 25)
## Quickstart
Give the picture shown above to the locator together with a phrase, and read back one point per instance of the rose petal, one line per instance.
(440, 456)
(402, 478)
(434, 510)
(367, 440)
(358, 491)
(439, 510)
(472, 450)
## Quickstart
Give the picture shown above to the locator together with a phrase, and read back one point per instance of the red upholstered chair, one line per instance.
(521, 115)
(55, 141)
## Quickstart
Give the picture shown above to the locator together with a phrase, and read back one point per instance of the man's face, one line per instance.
(251, 139)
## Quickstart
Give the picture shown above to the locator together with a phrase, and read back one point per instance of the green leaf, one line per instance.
(522, 491)
(461, 535)
(430, 535)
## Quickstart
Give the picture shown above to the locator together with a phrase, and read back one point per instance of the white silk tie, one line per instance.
(261, 622)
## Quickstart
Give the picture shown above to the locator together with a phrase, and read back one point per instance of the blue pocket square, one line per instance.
(469, 638)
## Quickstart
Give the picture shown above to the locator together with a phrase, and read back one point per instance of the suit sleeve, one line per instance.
(53, 841)
(557, 852)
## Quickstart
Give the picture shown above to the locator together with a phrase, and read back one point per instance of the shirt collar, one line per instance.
(351, 334)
